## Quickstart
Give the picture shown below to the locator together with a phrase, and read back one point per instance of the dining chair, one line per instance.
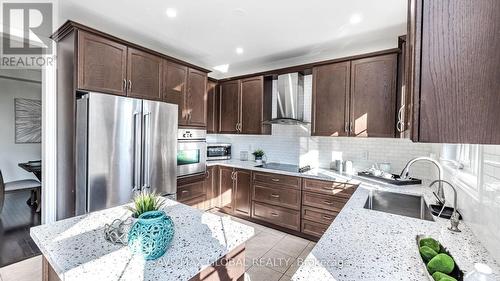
(19, 185)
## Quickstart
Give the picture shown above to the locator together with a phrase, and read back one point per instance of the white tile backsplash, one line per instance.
(479, 199)
(293, 144)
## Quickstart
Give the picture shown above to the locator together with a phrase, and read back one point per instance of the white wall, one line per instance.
(479, 196)
(11, 153)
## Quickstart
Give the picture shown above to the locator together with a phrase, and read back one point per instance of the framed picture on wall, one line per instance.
(28, 118)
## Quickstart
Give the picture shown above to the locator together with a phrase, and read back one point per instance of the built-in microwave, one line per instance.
(191, 152)
(218, 151)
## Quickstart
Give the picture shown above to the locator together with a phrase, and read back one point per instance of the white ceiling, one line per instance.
(272, 33)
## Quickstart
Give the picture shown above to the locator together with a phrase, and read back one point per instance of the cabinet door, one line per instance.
(459, 95)
(373, 96)
(102, 64)
(226, 189)
(196, 103)
(174, 88)
(212, 108)
(144, 75)
(242, 192)
(330, 99)
(229, 107)
(211, 187)
(252, 91)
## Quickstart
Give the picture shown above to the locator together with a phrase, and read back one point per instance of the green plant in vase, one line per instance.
(258, 154)
(145, 202)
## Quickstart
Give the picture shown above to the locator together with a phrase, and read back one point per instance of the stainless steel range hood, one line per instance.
(289, 100)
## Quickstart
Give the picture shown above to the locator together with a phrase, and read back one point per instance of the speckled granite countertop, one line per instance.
(363, 244)
(77, 250)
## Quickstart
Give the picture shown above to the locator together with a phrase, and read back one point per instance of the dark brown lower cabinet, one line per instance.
(192, 191)
(280, 216)
(212, 187)
(301, 206)
(321, 202)
(226, 189)
(235, 191)
(242, 192)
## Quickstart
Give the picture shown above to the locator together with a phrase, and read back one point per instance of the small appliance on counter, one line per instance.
(218, 151)
(191, 152)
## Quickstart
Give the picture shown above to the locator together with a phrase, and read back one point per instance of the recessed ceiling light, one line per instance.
(171, 12)
(355, 19)
(222, 68)
(239, 50)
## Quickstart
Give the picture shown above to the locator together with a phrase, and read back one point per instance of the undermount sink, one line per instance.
(399, 204)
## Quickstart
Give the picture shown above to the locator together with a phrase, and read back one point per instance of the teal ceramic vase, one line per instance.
(151, 235)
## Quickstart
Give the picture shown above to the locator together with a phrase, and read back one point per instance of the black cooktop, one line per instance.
(285, 167)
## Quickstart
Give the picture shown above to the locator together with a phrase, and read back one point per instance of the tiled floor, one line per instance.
(271, 255)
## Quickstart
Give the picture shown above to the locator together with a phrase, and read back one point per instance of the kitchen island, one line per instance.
(205, 247)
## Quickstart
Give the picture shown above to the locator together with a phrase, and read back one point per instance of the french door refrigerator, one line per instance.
(123, 145)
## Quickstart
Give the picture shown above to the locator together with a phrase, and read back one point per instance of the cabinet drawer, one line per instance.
(277, 215)
(284, 197)
(190, 190)
(314, 228)
(322, 201)
(318, 215)
(330, 187)
(293, 182)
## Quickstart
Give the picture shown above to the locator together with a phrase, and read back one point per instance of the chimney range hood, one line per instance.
(289, 100)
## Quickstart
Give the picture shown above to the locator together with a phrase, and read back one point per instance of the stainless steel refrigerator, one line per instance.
(123, 145)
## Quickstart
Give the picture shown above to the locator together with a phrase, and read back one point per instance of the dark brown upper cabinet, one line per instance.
(102, 64)
(229, 100)
(196, 103)
(373, 97)
(242, 192)
(355, 98)
(174, 88)
(242, 106)
(455, 76)
(251, 115)
(144, 75)
(330, 99)
(186, 87)
(212, 107)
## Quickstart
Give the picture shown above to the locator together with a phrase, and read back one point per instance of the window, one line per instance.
(463, 164)
(463, 156)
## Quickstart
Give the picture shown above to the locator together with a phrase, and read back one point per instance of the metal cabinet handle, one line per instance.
(236, 127)
(275, 195)
(350, 127)
(124, 86)
(275, 180)
(184, 191)
(328, 202)
(346, 127)
(274, 214)
(400, 124)
(328, 187)
(327, 217)
(130, 85)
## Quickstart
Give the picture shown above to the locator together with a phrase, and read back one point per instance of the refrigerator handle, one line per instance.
(146, 153)
(136, 175)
